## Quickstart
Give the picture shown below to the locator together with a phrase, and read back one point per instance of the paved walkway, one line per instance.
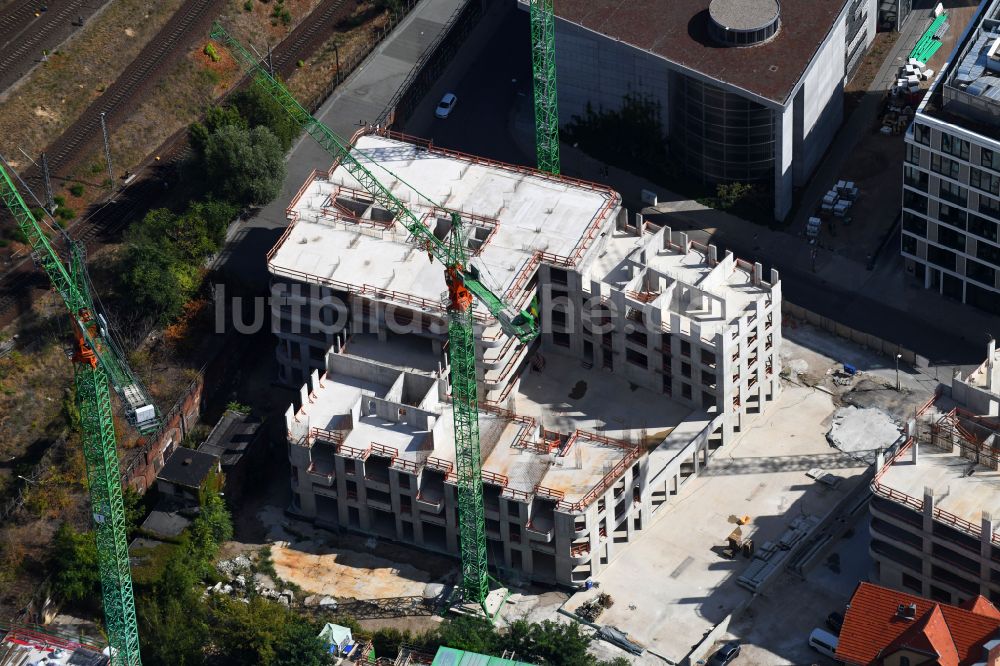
(361, 98)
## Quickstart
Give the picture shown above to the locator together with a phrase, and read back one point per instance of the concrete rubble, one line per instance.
(863, 431)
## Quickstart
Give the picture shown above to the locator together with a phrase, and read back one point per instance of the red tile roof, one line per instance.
(980, 605)
(872, 624)
(678, 31)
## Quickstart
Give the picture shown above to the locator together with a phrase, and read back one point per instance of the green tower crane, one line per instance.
(543, 66)
(464, 286)
(98, 365)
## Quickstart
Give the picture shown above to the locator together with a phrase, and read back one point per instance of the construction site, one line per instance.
(497, 392)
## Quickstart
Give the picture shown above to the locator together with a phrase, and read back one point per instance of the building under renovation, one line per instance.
(746, 90)
(935, 512)
(654, 353)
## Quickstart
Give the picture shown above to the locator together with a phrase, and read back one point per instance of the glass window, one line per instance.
(951, 215)
(949, 191)
(922, 134)
(914, 201)
(915, 224)
(915, 178)
(944, 165)
(913, 153)
(909, 244)
(989, 206)
(980, 272)
(988, 253)
(989, 158)
(982, 227)
(984, 180)
(951, 238)
(955, 146)
(941, 257)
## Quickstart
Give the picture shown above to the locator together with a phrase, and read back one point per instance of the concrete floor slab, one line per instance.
(686, 586)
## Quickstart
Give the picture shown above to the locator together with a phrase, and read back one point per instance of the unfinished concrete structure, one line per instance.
(653, 352)
(933, 528)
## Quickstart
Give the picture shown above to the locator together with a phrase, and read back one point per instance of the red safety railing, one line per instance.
(353, 452)
(515, 494)
(405, 465)
(27, 636)
(332, 436)
(549, 493)
(579, 549)
(445, 466)
(602, 485)
(382, 450)
(494, 479)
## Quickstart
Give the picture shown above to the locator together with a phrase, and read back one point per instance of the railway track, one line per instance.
(308, 35)
(186, 24)
(105, 223)
(23, 36)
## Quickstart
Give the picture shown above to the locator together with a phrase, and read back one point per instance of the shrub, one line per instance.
(212, 53)
(60, 200)
(64, 213)
(300, 63)
(248, 6)
(76, 190)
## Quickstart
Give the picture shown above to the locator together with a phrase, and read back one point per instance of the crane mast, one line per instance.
(464, 288)
(98, 365)
(543, 65)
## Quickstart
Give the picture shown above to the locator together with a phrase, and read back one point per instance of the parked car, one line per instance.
(824, 643)
(835, 621)
(725, 654)
(445, 106)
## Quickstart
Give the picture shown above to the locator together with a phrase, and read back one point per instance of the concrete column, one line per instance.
(927, 532)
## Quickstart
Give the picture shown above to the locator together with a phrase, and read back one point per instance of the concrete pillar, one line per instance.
(928, 524)
(914, 452)
(985, 552)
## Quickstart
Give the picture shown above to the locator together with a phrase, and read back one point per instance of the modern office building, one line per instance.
(655, 352)
(746, 90)
(935, 514)
(951, 179)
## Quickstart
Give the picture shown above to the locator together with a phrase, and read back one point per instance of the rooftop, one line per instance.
(447, 656)
(962, 488)
(874, 626)
(231, 437)
(678, 30)
(21, 646)
(188, 468)
(338, 238)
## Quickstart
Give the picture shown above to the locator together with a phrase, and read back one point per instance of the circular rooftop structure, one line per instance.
(743, 22)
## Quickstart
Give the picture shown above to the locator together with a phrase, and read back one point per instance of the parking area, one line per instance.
(687, 585)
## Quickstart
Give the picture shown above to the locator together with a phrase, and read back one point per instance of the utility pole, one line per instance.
(50, 200)
(898, 356)
(107, 151)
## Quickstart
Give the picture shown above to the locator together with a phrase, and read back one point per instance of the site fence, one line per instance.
(867, 340)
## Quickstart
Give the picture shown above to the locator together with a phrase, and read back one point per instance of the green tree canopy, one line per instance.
(244, 166)
(74, 564)
(259, 109)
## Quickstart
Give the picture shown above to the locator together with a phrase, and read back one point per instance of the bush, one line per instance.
(60, 200)
(76, 190)
(210, 51)
(64, 213)
(248, 6)
(300, 63)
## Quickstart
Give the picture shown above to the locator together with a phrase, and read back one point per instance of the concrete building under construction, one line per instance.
(935, 509)
(653, 354)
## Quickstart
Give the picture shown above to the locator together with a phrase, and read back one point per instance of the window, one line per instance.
(922, 134)
(951, 238)
(913, 153)
(686, 369)
(914, 224)
(909, 244)
(989, 158)
(951, 215)
(915, 178)
(982, 227)
(989, 206)
(955, 146)
(989, 253)
(707, 378)
(949, 191)
(944, 165)
(914, 201)
(635, 358)
(941, 257)
(984, 180)
(561, 339)
(685, 348)
(686, 391)
(912, 583)
(904, 661)
(980, 272)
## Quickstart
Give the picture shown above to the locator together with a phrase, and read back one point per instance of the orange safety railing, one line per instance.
(353, 452)
(440, 465)
(549, 493)
(332, 436)
(602, 485)
(513, 493)
(494, 479)
(382, 450)
(579, 549)
(405, 465)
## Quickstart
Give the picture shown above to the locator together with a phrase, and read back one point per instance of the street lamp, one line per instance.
(898, 356)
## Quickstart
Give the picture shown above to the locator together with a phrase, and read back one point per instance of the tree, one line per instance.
(157, 282)
(74, 563)
(300, 646)
(548, 642)
(259, 109)
(264, 632)
(216, 117)
(244, 166)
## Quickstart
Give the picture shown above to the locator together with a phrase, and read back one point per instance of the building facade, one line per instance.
(951, 179)
(746, 92)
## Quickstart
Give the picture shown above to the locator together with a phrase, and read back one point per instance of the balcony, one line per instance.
(429, 502)
(539, 529)
(321, 472)
(580, 552)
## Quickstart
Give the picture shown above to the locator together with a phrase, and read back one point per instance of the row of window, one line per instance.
(946, 259)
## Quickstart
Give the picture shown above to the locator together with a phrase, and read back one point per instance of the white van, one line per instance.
(823, 642)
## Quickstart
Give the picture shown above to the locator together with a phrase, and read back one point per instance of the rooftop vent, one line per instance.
(743, 22)
(906, 612)
(187, 461)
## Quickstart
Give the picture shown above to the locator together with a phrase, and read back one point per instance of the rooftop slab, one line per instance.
(961, 487)
(519, 212)
(677, 30)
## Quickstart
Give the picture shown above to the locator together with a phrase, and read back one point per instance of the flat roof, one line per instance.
(187, 467)
(677, 30)
(518, 211)
(955, 490)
